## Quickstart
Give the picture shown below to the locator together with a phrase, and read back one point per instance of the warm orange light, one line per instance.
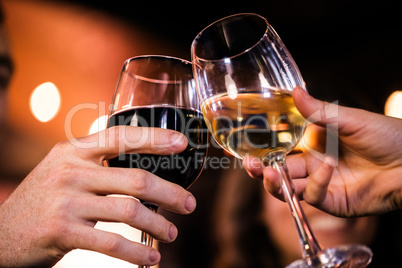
(393, 106)
(308, 139)
(45, 102)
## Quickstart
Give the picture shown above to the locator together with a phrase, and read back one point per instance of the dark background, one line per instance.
(347, 51)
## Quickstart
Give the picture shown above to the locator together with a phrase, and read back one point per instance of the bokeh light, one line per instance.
(45, 102)
(393, 106)
(99, 124)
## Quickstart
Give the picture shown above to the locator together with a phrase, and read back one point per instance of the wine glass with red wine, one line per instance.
(159, 91)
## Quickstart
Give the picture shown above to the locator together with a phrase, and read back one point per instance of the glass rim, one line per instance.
(155, 57)
(226, 18)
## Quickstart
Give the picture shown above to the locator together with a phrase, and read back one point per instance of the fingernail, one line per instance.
(177, 139)
(154, 256)
(190, 203)
(172, 232)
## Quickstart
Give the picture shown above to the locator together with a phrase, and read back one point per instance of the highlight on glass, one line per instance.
(159, 92)
(245, 77)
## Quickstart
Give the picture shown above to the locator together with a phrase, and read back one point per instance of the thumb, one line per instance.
(319, 112)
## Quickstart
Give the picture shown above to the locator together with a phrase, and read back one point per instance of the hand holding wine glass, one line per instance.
(376, 158)
(158, 92)
(55, 208)
(245, 78)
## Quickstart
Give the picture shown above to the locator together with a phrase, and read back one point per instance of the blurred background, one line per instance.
(67, 56)
(346, 50)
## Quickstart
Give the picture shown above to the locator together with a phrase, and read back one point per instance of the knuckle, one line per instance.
(65, 147)
(63, 174)
(141, 183)
(60, 148)
(57, 228)
(131, 210)
(62, 145)
(111, 244)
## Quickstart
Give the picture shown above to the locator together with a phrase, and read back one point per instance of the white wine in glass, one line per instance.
(254, 123)
(245, 77)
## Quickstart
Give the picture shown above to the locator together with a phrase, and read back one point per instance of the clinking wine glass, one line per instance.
(245, 77)
(159, 91)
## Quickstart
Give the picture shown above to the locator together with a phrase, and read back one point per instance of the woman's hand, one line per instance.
(364, 174)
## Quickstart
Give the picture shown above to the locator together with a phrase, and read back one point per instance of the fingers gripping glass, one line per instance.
(159, 92)
(245, 78)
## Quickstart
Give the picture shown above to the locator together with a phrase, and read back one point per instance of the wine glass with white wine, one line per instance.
(245, 77)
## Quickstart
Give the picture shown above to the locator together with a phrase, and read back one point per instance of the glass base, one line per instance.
(349, 256)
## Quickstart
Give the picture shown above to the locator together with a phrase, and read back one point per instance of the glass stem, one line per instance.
(147, 239)
(310, 246)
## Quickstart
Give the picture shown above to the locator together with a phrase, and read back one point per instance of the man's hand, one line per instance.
(56, 207)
